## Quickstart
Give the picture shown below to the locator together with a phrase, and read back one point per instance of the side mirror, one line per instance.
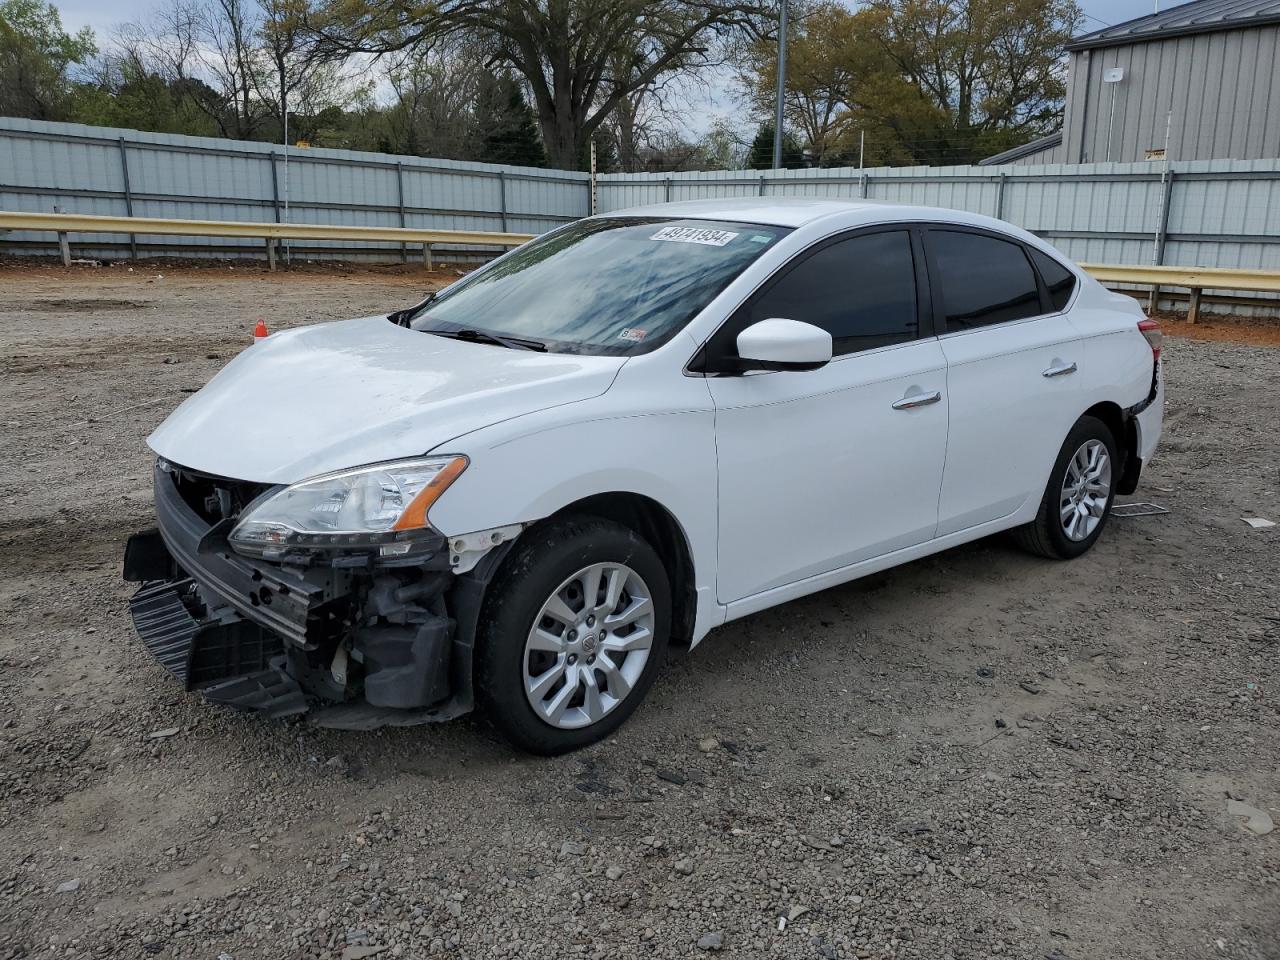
(779, 344)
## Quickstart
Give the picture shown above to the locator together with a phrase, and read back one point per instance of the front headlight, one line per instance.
(383, 506)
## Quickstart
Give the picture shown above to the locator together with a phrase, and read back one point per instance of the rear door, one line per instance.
(823, 468)
(1013, 361)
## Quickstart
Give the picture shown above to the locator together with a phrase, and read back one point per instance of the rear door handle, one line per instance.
(1059, 371)
(913, 400)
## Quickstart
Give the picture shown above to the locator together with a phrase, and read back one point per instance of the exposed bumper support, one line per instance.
(198, 652)
(1132, 473)
(279, 598)
(1150, 398)
(361, 647)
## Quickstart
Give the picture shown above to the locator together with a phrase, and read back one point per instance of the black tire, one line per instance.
(543, 558)
(1045, 535)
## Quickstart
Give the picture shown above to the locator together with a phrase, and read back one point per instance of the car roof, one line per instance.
(800, 211)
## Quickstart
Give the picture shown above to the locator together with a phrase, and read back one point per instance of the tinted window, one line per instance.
(983, 280)
(1056, 277)
(862, 291)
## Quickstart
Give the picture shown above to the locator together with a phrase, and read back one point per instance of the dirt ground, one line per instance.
(976, 755)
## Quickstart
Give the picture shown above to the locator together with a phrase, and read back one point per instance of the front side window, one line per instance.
(861, 290)
(982, 280)
(616, 286)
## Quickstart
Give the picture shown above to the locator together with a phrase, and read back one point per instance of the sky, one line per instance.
(102, 15)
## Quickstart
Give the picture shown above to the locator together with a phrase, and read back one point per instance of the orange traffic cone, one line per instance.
(260, 332)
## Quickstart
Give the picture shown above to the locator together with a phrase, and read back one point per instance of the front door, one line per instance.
(822, 469)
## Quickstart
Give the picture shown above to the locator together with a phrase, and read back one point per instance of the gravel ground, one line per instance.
(979, 754)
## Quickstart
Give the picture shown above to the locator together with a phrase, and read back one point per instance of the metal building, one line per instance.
(1205, 74)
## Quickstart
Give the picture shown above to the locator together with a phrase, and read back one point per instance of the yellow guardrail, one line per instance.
(1195, 279)
(66, 223)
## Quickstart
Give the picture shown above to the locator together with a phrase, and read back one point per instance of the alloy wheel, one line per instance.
(1086, 490)
(588, 645)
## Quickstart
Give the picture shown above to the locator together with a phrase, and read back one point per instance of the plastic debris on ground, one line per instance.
(1258, 822)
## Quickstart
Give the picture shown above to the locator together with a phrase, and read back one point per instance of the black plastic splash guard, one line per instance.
(199, 653)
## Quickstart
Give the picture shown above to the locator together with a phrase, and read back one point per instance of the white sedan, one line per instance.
(625, 433)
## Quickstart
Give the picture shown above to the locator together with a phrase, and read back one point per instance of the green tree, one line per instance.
(927, 81)
(760, 154)
(971, 77)
(829, 55)
(145, 101)
(36, 57)
(506, 127)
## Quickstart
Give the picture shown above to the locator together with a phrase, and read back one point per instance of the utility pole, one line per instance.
(782, 76)
(1164, 177)
(284, 142)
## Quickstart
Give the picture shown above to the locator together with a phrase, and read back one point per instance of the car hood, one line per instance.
(320, 398)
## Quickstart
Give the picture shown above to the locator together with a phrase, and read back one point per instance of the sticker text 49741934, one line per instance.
(703, 235)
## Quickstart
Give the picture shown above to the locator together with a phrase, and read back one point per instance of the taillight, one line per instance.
(1155, 336)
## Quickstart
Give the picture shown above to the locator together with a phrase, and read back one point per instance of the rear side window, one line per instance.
(861, 290)
(1057, 278)
(983, 280)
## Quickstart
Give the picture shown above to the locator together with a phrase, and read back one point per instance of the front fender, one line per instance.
(525, 471)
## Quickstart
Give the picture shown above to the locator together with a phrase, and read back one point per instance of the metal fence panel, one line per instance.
(81, 169)
(1216, 213)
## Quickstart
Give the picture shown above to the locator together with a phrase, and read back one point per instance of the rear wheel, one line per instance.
(1077, 500)
(572, 635)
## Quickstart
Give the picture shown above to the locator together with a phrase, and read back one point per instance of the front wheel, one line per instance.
(573, 632)
(1077, 500)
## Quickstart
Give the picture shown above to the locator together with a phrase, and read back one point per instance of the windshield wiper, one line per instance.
(480, 336)
(405, 316)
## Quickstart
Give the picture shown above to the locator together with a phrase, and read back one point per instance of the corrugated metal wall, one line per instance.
(1210, 213)
(1223, 88)
(100, 170)
(1219, 213)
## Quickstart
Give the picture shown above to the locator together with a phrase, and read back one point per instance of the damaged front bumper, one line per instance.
(358, 643)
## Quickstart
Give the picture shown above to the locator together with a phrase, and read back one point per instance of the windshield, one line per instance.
(606, 286)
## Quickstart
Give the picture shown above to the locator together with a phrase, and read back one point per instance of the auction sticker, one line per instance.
(709, 238)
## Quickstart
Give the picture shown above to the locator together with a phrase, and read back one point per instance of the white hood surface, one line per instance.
(337, 395)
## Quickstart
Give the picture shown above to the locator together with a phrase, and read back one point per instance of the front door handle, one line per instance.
(1059, 370)
(913, 400)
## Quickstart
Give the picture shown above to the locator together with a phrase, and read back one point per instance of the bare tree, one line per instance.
(644, 122)
(567, 51)
(227, 32)
(435, 89)
(298, 75)
(256, 56)
(213, 42)
(167, 45)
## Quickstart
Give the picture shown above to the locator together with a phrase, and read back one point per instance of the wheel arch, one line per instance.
(658, 526)
(1124, 429)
